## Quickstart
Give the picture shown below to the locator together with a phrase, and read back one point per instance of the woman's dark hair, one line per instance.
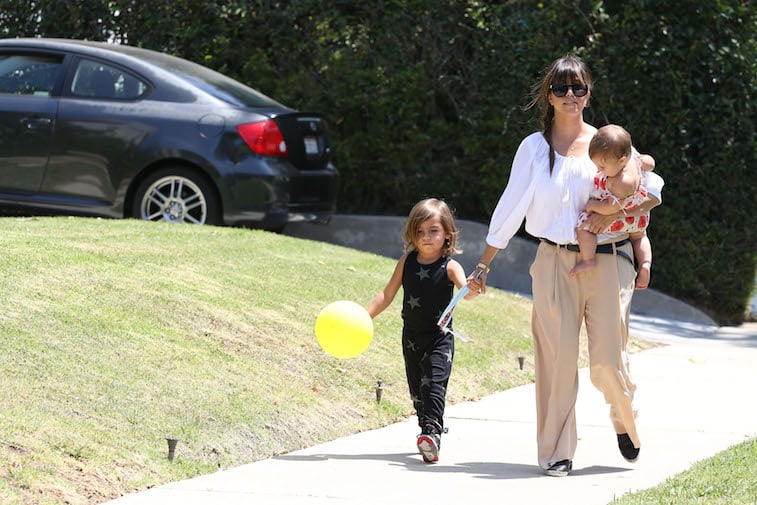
(569, 69)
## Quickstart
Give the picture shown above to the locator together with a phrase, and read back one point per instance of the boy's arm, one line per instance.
(456, 274)
(385, 297)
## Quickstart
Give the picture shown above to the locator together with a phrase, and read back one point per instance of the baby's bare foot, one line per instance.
(582, 266)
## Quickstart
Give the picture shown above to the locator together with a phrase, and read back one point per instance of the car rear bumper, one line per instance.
(290, 196)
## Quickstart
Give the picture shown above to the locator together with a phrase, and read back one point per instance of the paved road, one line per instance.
(695, 398)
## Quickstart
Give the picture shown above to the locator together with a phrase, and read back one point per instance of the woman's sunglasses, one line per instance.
(579, 90)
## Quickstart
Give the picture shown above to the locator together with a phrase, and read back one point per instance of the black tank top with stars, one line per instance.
(427, 291)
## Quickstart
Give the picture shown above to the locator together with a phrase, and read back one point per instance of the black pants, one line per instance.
(428, 364)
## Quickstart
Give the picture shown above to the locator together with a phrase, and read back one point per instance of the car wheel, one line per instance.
(177, 195)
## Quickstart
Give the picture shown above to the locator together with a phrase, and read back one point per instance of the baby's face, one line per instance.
(610, 165)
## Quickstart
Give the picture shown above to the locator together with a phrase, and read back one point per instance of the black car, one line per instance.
(90, 128)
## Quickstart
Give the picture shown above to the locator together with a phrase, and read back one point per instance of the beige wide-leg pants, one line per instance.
(601, 297)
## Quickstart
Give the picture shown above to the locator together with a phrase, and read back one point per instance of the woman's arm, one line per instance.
(649, 203)
(477, 278)
(597, 223)
(515, 199)
(604, 207)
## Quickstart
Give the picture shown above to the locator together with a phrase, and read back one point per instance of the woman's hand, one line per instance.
(477, 279)
(598, 222)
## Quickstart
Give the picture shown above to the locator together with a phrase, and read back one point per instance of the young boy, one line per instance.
(428, 276)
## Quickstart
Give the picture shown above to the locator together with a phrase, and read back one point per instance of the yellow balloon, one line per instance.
(344, 329)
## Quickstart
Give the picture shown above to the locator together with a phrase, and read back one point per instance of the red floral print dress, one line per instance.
(627, 224)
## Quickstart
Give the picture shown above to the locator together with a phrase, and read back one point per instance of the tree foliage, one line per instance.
(426, 97)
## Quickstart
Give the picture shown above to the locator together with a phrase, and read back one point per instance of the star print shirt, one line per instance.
(427, 291)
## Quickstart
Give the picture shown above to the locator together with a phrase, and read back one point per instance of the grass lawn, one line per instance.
(728, 478)
(118, 334)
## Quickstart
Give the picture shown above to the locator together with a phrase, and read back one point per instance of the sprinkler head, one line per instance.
(379, 390)
(171, 447)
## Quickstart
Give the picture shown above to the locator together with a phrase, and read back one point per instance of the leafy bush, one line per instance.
(425, 97)
(681, 75)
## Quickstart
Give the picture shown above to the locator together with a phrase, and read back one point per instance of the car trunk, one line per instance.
(307, 140)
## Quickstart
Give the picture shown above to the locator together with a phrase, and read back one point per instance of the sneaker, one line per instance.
(428, 446)
(560, 469)
(629, 452)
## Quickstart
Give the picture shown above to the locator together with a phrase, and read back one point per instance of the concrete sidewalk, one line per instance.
(695, 398)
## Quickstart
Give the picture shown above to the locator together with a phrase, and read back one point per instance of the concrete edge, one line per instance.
(382, 235)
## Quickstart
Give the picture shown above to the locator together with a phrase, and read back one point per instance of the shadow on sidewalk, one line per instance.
(477, 469)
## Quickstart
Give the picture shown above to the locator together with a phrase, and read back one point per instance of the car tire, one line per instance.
(177, 195)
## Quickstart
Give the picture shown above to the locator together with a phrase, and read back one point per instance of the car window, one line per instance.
(212, 82)
(99, 80)
(27, 74)
(225, 88)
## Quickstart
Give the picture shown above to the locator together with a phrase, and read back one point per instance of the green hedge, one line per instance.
(425, 97)
(694, 63)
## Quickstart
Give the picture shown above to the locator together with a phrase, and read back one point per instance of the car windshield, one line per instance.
(212, 82)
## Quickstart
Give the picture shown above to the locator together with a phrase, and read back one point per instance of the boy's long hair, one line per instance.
(422, 211)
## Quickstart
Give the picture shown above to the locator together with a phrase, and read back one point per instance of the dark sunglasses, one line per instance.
(579, 90)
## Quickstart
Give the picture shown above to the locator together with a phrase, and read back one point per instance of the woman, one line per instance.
(550, 181)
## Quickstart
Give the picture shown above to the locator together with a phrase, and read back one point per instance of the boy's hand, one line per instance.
(477, 282)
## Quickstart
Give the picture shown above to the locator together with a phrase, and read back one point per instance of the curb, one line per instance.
(382, 235)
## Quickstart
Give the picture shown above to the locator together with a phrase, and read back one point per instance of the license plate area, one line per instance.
(311, 146)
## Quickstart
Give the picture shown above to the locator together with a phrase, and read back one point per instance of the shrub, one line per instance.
(425, 98)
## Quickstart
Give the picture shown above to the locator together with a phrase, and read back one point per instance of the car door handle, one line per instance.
(36, 123)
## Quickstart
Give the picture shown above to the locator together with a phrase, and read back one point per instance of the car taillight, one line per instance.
(264, 137)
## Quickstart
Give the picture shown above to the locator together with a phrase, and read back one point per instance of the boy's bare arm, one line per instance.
(456, 274)
(385, 297)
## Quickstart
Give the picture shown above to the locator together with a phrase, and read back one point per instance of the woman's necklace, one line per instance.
(567, 146)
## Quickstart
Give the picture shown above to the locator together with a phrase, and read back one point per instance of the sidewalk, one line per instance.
(695, 398)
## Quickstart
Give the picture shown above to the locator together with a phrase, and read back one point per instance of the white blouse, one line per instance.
(550, 204)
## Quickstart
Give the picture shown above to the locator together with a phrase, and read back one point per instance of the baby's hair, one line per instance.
(424, 210)
(610, 140)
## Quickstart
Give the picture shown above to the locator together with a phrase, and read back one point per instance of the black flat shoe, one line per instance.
(560, 469)
(629, 452)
